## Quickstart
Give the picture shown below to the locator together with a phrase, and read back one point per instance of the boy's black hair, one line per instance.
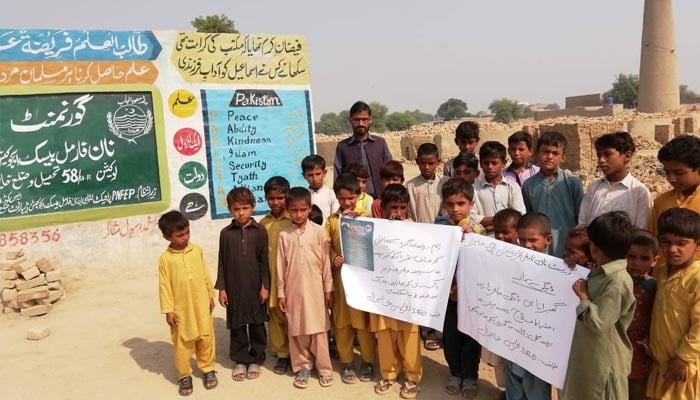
(644, 238)
(427, 149)
(348, 182)
(311, 162)
(684, 149)
(240, 195)
(492, 149)
(172, 221)
(581, 233)
(276, 184)
(316, 216)
(392, 169)
(395, 192)
(467, 130)
(622, 142)
(467, 159)
(358, 170)
(681, 222)
(507, 216)
(456, 186)
(360, 106)
(535, 220)
(552, 139)
(298, 193)
(612, 233)
(520, 136)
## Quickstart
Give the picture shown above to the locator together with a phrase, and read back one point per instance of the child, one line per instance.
(305, 290)
(675, 319)
(364, 201)
(681, 160)
(641, 258)
(605, 312)
(313, 168)
(465, 167)
(424, 190)
(398, 342)
(534, 233)
(187, 300)
(276, 189)
(505, 229)
(466, 139)
(553, 191)
(347, 321)
(391, 172)
(618, 190)
(243, 281)
(492, 192)
(577, 248)
(461, 351)
(520, 152)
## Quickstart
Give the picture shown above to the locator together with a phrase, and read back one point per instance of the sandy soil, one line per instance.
(108, 341)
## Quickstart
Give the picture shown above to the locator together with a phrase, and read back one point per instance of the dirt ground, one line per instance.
(109, 341)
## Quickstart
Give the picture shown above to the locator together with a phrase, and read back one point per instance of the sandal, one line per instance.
(185, 388)
(301, 380)
(239, 372)
(409, 390)
(366, 372)
(281, 366)
(453, 385)
(470, 389)
(384, 386)
(431, 342)
(210, 381)
(253, 371)
(348, 375)
(325, 380)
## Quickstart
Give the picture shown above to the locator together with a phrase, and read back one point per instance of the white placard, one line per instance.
(519, 304)
(399, 269)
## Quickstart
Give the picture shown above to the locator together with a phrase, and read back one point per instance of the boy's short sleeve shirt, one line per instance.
(492, 199)
(521, 177)
(629, 195)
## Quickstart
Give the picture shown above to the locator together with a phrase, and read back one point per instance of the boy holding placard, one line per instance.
(606, 310)
(348, 322)
(534, 233)
(398, 341)
(461, 351)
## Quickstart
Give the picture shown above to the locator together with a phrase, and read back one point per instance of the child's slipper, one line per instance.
(253, 371)
(366, 372)
(470, 389)
(301, 380)
(239, 372)
(325, 380)
(281, 366)
(210, 381)
(453, 385)
(185, 386)
(348, 375)
(384, 386)
(409, 390)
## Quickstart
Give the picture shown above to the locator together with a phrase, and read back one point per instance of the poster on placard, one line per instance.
(518, 303)
(412, 266)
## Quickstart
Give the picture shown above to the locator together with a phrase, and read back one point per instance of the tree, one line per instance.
(329, 124)
(688, 96)
(452, 109)
(505, 110)
(379, 112)
(624, 90)
(551, 106)
(420, 116)
(397, 121)
(214, 24)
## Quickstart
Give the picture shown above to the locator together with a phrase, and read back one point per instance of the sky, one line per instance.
(416, 54)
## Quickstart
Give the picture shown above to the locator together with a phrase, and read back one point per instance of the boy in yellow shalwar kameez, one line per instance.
(347, 321)
(187, 299)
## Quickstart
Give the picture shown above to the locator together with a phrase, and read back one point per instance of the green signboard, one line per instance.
(82, 154)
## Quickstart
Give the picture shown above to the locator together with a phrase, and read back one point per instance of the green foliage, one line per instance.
(624, 90)
(328, 124)
(452, 109)
(420, 116)
(397, 121)
(379, 112)
(506, 110)
(552, 106)
(214, 24)
(688, 96)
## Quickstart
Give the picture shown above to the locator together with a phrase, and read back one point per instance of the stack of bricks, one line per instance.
(29, 287)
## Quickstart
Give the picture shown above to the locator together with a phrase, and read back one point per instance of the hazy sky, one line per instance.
(416, 54)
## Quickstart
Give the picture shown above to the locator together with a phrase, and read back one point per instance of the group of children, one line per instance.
(633, 334)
